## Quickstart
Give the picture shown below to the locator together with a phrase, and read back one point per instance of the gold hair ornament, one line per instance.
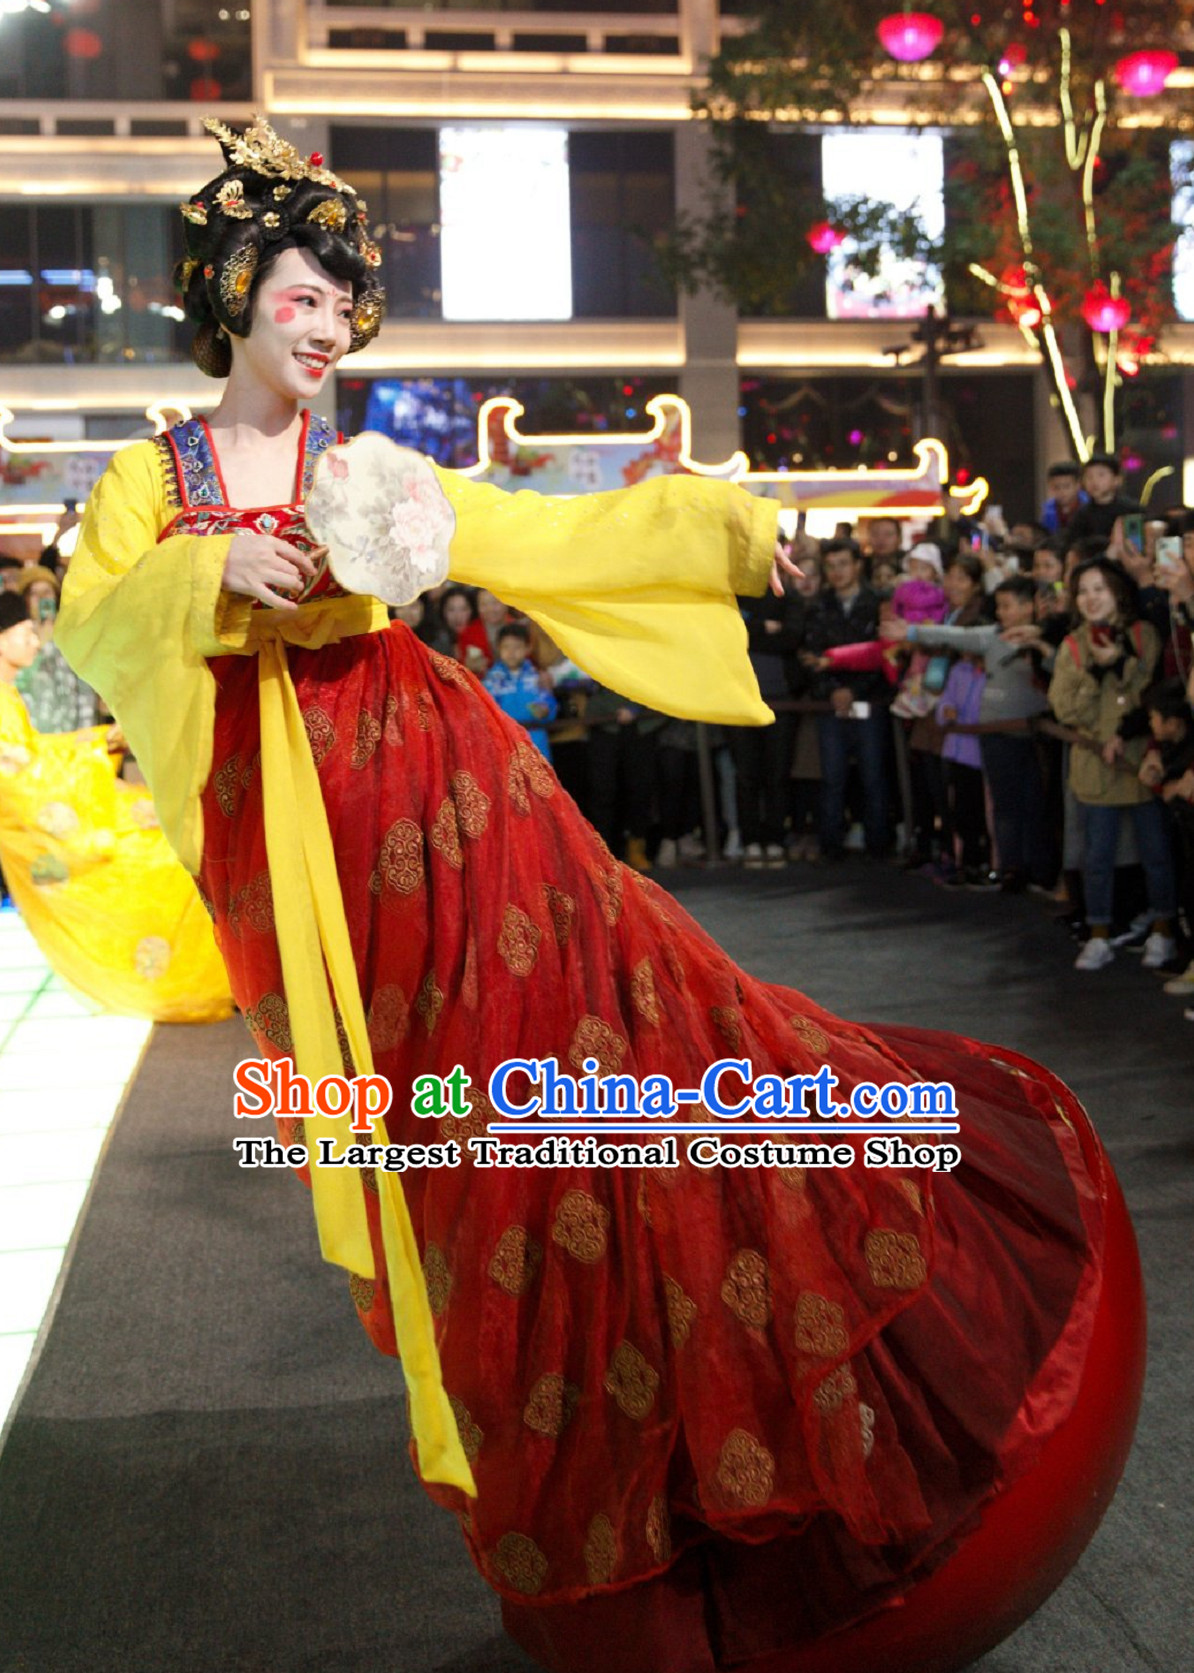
(330, 213)
(261, 150)
(231, 199)
(236, 279)
(367, 317)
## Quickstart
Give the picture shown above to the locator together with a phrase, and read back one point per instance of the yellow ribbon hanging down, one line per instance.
(313, 933)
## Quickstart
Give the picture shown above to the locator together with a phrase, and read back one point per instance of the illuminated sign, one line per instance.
(505, 225)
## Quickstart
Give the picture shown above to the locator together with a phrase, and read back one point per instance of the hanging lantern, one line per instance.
(202, 51)
(911, 36)
(823, 237)
(1015, 54)
(1145, 73)
(206, 90)
(1104, 312)
(82, 43)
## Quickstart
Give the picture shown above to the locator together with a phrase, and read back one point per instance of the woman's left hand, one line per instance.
(782, 565)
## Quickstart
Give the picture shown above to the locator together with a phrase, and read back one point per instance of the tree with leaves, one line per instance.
(1058, 194)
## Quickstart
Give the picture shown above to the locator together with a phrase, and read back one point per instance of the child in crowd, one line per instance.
(885, 575)
(920, 597)
(1012, 695)
(517, 687)
(1100, 675)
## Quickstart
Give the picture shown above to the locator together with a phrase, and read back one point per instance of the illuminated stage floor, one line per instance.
(63, 1071)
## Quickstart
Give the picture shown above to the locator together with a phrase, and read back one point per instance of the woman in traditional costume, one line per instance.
(96, 882)
(688, 1418)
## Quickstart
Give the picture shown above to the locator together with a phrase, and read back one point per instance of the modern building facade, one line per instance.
(101, 105)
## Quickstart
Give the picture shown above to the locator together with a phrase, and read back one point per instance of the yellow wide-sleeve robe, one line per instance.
(96, 882)
(637, 586)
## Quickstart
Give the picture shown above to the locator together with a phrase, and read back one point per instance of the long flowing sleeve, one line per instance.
(139, 618)
(636, 586)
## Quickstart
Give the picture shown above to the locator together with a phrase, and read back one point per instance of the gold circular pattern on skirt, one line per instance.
(745, 1470)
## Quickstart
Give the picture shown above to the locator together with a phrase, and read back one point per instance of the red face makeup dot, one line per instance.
(284, 314)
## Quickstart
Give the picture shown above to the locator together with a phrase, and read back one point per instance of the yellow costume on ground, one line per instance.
(637, 586)
(96, 881)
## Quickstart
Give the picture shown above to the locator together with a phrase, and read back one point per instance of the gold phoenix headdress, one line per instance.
(268, 190)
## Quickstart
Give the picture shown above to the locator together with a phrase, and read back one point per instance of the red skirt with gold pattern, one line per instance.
(637, 1357)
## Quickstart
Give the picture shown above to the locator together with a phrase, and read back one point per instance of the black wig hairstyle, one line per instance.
(269, 199)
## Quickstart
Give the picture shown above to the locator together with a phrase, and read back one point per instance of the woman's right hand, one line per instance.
(261, 566)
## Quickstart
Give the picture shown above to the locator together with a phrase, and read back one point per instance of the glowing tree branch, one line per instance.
(1048, 334)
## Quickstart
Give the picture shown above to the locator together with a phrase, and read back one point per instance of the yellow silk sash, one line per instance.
(314, 945)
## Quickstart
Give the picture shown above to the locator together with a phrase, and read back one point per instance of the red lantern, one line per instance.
(1015, 54)
(911, 36)
(82, 43)
(206, 90)
(1104, 312)
(203, 52)
(823, 237)
(1145, 73)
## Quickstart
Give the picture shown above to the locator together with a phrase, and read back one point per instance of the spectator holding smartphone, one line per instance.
(1100, 676)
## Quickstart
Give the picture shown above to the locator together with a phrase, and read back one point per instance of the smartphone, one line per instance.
(859, 711)
(801, 520)
(47, 609)
(1102, 633)
(69, 505)
(1169, 553)
(1134, 529)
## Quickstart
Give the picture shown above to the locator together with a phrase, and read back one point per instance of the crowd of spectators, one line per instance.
(994, 707)
(997, 708)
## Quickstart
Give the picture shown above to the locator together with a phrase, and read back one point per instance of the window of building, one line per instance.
(196, 50)
(90, 283)
(621, 196)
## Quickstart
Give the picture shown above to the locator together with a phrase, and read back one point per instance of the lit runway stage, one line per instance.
(208, 1470)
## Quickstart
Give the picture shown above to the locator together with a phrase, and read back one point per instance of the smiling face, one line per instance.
(1096, 602)
(302, 325)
